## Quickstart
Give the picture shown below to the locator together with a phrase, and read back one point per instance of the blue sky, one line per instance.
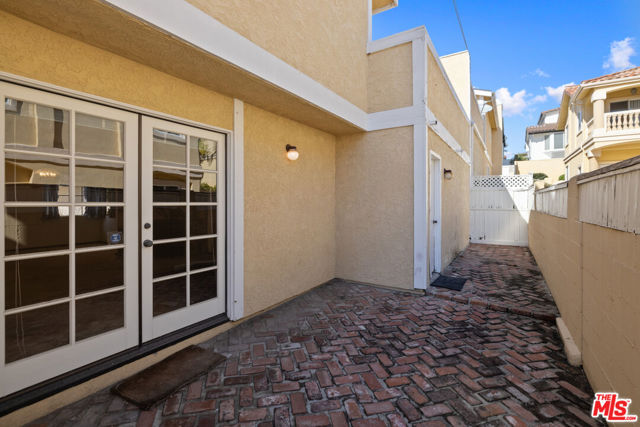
(526, 45)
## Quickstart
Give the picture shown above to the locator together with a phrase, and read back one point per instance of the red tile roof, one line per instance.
(631, 72)
(571, 89)
(549, 127)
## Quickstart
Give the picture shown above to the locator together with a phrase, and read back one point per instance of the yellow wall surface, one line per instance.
(593, 272)
(497, 152)
(374, 207)
(442, 102)
(390, 81)
(480, 161)
(458, 69)
(32, 51)
(455, 200)
(553, 168)
(325, 40)
(289, 209)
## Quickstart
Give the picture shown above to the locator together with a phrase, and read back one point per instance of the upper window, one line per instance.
(558, 141)
(631, 104)
(579, 117)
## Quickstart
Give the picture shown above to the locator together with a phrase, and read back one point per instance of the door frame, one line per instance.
(234, 250)
(235, 175)
(156, 326)
(435, 206)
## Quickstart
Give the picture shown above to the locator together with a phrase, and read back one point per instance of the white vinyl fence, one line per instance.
(610, 199)
(500, 207)
(553, 200)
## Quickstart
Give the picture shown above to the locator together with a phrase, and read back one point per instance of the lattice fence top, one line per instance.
(503, 181)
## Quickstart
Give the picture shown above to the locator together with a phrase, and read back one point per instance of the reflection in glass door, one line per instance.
(69, 217)
(183, 226)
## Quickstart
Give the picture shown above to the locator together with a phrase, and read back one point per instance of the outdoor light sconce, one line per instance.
(448, 174)
(292, 152)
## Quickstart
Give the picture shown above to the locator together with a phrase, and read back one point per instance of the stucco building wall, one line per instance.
(374, 207)
(289, 209)
(326, 43)
(593, 273)
(35, 52)
(390, 79)
(455, 200)
(497, 152)
(553, 168)
(280, 226)
(442, 101)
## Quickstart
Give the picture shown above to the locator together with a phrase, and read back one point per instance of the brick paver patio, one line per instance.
(354, 354)
(505, 277)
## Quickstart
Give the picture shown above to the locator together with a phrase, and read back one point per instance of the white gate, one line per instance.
(500, 206)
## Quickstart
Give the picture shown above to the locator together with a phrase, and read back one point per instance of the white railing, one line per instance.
(622, 120)
(553, 200)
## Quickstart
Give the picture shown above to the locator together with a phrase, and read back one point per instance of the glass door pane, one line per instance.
(69, 252)
(182, 183)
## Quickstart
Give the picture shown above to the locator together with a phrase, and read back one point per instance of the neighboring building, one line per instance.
(601, 118)
(545, 148)
(149, 197)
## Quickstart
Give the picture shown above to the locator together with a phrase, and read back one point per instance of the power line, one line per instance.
(460, 23)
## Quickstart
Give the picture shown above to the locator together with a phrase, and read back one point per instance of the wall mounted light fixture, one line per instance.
(448, 174)
(292, 152)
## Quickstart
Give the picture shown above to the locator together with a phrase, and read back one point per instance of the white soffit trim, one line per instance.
(446, 136)
(396, 39)
(405, 116)
(195, 27)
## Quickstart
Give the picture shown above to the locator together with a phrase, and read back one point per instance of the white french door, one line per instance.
(183, 226)
(69, 215)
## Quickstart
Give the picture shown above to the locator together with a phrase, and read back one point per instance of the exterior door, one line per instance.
(435, 211)
(69, 216)
(183, 225)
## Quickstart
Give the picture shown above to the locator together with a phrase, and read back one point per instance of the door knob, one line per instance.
(147, 243)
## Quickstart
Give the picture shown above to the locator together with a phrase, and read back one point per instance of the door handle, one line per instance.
(435, 221)
(147, 243)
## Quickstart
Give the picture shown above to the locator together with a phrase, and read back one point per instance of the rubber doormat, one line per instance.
(448, 282)
(147, 388)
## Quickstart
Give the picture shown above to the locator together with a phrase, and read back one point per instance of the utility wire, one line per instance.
(460, 23)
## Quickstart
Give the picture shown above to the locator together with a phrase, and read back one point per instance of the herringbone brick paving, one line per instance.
(353, 354)
(506, 277)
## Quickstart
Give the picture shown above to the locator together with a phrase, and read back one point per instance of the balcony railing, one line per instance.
(622, 121)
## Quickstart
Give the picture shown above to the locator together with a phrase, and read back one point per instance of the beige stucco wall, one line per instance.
(593, 273)
(443, 104)
(611, 296)
(32, 51)
(289, 209)
(497, 151)
(325, 40)
(458, 69)
(553, 168)
(374, 207)
(390, 80)
(455, 200)
(480, 161)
